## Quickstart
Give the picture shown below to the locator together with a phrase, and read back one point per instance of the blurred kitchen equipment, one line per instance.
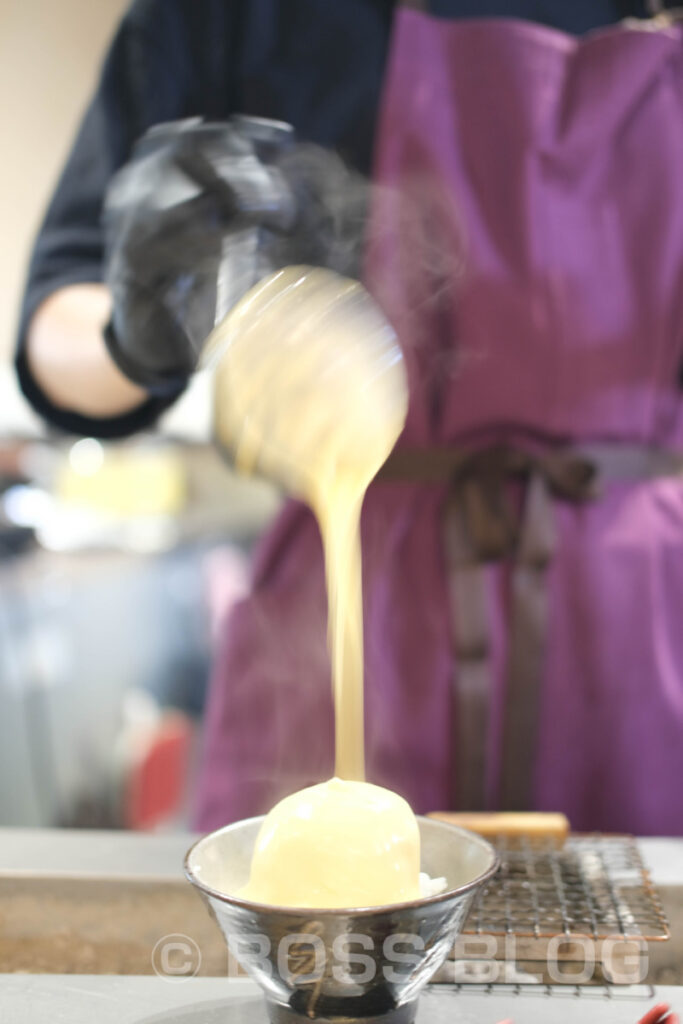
(156, 758)
(300, 970)
(124, 480)
(61, 700)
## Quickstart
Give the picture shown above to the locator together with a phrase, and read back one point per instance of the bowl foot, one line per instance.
(401, 1015)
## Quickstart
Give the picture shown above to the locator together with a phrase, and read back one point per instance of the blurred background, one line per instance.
(110, 555)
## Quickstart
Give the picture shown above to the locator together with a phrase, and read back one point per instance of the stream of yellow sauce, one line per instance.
(311, 390)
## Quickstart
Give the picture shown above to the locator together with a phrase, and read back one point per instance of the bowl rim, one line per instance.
(271, 908)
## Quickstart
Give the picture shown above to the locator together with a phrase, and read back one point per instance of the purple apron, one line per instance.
(539, 301)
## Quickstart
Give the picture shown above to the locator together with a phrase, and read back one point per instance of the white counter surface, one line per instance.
(54, 999)
(93, 854)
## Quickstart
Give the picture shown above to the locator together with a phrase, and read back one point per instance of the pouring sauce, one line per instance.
(311, 389)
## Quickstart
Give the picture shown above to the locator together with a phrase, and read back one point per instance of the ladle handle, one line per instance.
(534, 824)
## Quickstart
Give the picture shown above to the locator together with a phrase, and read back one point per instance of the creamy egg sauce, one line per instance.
(311, 389)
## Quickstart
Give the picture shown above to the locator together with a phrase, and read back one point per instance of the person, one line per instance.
(523, 550)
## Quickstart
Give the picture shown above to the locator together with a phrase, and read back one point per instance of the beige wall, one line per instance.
(50, 52)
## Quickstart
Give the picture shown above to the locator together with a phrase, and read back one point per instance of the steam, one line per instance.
(203, 211)
(344, 218)
(416, 257)
(332, 203)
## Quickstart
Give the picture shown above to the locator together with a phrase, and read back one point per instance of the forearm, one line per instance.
(69, 360)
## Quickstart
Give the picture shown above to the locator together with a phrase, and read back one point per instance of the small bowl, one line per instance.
(366, 964)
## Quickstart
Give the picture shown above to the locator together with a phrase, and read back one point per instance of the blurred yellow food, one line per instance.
(124, 482)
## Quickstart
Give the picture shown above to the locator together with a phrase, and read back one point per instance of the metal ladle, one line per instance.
(310, 380)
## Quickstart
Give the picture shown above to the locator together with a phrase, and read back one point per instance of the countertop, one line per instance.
(76, 860)
(115, 1000)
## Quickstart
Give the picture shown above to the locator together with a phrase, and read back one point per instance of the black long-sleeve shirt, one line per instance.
(318, 64)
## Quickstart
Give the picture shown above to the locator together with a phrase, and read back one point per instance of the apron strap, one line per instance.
(470, 697)
(529, 615)
(483, 525)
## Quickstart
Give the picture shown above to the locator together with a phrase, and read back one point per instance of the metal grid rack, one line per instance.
(591, 885)
(589, 993)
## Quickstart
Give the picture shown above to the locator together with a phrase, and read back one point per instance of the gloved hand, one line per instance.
(200, 214)
(188, 224)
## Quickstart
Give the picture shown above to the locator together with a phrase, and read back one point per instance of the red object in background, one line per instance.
(155, 788)
(660, 1014)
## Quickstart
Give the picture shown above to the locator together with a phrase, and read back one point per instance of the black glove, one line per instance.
(200, 214)
(187, 223)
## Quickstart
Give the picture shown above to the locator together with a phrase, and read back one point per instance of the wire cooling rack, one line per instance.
(590, 885)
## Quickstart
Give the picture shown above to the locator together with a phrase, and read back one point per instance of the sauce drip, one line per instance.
(311, 390)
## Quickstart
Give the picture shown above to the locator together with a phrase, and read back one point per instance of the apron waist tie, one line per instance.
(482, 524)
